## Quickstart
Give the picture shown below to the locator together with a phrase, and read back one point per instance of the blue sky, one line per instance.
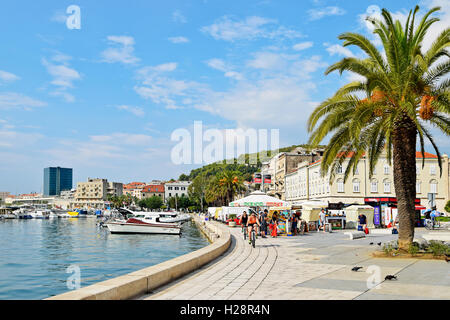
(105, 99)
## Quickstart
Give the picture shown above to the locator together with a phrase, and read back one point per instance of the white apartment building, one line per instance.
(307, 183)
(178, 188)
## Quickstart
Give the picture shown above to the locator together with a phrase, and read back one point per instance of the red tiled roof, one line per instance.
(133, 185)
(427, 155)
(154, 189)
(29, 195)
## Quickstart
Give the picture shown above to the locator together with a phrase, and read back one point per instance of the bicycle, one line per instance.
(244, 231)
(432, 225)
(253, 236)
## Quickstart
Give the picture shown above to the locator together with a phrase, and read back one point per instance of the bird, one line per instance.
(371, 243)
(379, 243)
(390, 277)
(356, 268)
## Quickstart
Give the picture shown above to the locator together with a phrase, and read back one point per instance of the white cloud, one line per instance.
(230, 29)
(161, 89)
(316, 14)
(8, 77)
(220, 65)
(338, 50)
(122, 50)
(179, 39)
(177, 16)
(270, 102)
(137, 111)
(302, 46)
(59, 16)
(275, 88)
(63, 76)
(12, 138)
(13, 100)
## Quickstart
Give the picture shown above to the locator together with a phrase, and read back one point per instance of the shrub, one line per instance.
(447, 206)
(389, 249)
(438, 248)
(413, 248)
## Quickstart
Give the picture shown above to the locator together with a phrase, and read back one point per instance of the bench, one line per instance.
(355, 234)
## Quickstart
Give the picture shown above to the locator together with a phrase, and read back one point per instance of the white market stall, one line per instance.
(352, 213)
(232, 212)
(258, 199)
(311, 209)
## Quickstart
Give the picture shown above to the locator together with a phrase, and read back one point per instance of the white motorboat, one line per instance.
(148, 224)
(40, 214)
(23, 213)
(164, 216)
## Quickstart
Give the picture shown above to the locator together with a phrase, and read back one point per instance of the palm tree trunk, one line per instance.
(404, 159)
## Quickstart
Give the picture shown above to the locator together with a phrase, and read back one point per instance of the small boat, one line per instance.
(6, 213)
(40, 214)
(148, 223)
(69, 214)
(23, 214)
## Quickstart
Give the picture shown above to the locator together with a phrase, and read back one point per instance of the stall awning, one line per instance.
(419, 207)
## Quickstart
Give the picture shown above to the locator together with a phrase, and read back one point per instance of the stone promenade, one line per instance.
(312, 266)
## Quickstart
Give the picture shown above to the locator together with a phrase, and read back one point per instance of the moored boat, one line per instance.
(149, 224)
(40, 214)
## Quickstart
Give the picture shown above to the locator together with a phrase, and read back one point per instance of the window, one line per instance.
(170, 188)
(433, 186)
(433, 169)
(355, 185)
(387, 186)
(386, 168)
(339, 169)
(374, 186)
(340, 185)
(417, 186)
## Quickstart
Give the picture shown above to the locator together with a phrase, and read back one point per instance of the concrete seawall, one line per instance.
(145, 280)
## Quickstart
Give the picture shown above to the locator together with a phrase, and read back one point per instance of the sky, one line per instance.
(105, 97)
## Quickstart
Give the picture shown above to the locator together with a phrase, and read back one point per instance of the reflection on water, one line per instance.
(35, 254)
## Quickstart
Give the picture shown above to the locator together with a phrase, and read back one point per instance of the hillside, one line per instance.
(245, 169)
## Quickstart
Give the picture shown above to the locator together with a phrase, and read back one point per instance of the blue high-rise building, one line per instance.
(57, 179)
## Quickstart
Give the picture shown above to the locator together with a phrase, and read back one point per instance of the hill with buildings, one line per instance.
(240, 164)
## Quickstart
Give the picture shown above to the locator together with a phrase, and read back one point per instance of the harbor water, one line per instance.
(41, 258)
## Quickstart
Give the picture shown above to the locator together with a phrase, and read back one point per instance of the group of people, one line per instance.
(259, 221)
(265, 225)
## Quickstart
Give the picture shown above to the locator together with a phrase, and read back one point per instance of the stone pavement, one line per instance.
(312, 266)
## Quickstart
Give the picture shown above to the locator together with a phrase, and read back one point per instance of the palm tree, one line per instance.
(231, 183)
(406, 92)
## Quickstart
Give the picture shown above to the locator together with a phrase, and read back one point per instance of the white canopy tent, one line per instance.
(258, 199)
